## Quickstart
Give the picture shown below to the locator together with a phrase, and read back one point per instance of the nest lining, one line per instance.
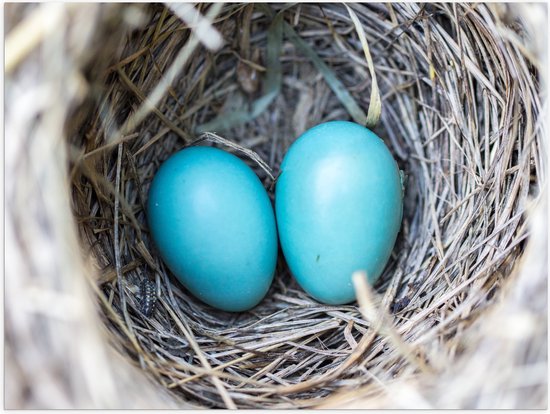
(459, 112)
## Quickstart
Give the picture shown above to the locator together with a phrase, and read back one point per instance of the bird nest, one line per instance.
(452, 89)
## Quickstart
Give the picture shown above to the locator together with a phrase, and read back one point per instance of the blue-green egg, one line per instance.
(213, 225)
(339, 205)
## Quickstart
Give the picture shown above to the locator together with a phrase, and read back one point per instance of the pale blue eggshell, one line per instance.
(214, 226)
(338, 204)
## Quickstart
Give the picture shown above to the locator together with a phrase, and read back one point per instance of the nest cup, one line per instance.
(454, 92)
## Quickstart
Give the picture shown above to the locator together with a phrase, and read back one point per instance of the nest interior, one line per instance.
(459, 111)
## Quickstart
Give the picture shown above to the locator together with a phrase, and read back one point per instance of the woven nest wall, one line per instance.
(98, 96)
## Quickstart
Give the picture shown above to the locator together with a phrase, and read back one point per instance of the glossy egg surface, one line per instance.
(214, 226)
(338, 204)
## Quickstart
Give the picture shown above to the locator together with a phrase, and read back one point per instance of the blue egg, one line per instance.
(214, 227)
(339, 205)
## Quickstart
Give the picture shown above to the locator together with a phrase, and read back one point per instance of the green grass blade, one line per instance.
(271, 85)
(333, 82)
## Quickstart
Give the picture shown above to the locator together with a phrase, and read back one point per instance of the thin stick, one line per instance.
(118, 264)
